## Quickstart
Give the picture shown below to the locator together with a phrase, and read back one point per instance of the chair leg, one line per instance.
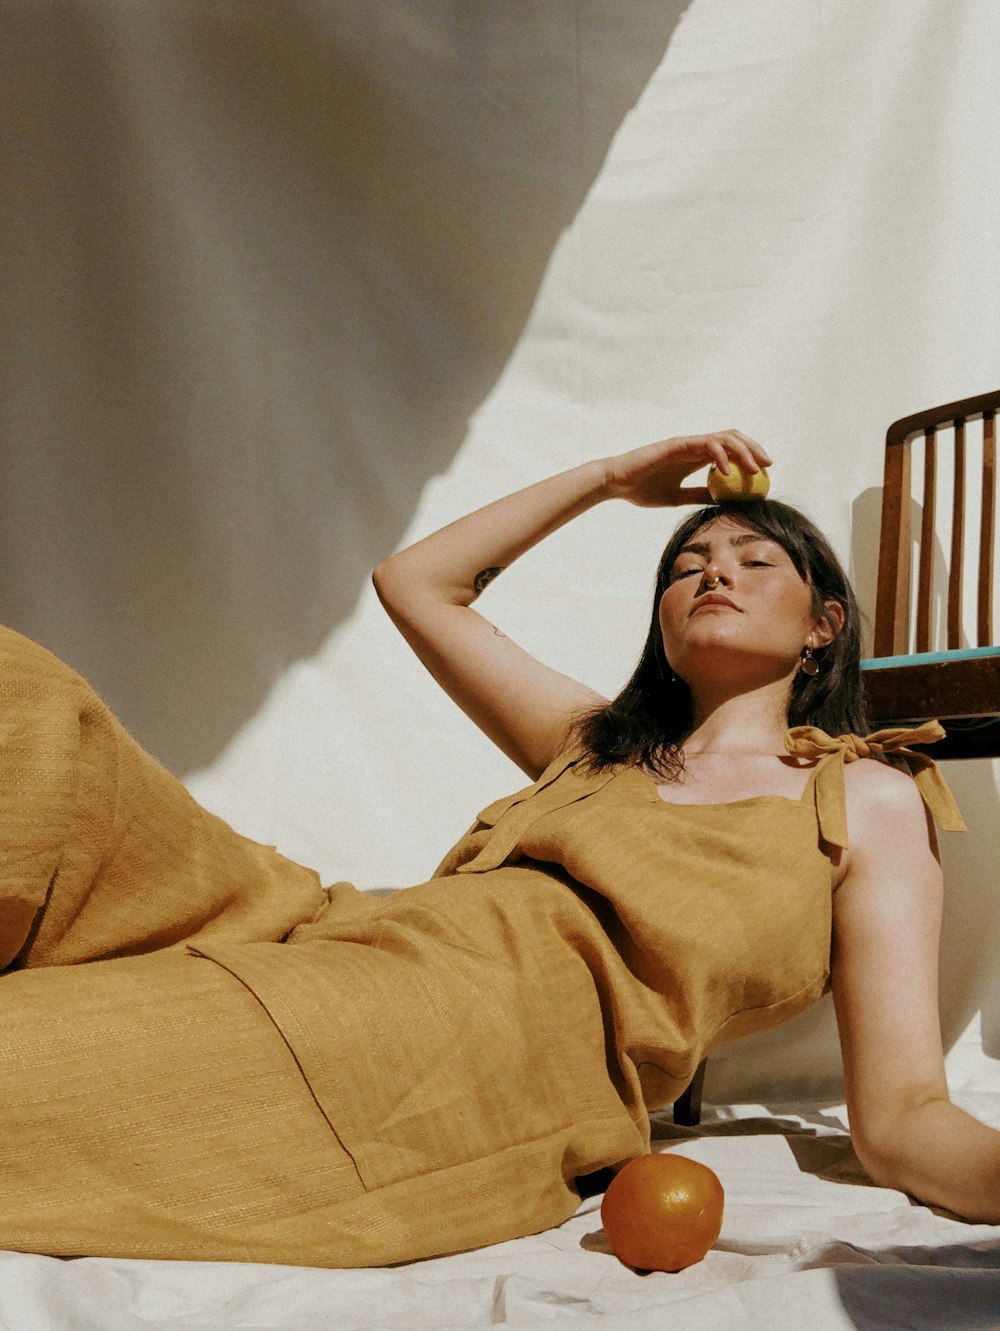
(687, 1107)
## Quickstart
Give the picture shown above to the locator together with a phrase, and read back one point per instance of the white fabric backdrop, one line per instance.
(287, 287)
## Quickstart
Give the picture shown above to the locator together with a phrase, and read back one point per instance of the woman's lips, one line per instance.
(713, 599)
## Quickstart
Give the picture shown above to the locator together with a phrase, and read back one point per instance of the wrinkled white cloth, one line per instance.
(806, 1242)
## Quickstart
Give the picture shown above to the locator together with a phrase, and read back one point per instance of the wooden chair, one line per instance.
(687, 1109)
(915, 673)
(907, 679)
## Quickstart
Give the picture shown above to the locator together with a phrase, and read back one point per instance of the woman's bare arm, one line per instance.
(525, 707)
(887, 917)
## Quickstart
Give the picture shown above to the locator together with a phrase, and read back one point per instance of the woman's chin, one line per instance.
(722, 662)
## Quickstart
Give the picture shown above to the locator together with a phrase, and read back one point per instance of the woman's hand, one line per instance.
(653, 476)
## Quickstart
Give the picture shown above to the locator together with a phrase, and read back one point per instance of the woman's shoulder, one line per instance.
(886, 785)
(881, 798)
(880, 779)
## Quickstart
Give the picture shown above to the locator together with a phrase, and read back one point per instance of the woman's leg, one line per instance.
(149, 1108)
(104, 853)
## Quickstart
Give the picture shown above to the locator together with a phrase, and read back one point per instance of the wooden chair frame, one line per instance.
(892, 622)
(964, 692)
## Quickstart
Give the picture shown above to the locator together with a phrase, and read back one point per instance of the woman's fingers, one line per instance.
(733, 446)
(720, 454)
(654, 474)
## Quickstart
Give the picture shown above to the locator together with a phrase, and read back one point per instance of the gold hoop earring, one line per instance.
(808, 663)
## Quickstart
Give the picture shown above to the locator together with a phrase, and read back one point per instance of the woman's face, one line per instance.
(736, 609)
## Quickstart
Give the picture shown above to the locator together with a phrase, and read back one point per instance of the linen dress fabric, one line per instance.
(252, 1069)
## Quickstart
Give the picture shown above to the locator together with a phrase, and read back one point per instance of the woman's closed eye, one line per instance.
(744, 563)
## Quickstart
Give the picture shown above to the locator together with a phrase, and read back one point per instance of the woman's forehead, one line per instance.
(723, 531)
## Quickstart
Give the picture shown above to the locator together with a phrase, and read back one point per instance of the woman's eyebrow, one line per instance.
(703, 548)
(748, 538)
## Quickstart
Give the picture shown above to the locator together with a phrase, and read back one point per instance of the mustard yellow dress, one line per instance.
(250, 1068)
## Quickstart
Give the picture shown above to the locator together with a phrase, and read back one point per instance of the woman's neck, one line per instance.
(747, 723)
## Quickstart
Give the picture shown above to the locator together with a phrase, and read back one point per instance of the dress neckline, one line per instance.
(652, 787)
(825, 786)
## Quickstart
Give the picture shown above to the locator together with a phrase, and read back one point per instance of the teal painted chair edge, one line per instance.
(928, 658)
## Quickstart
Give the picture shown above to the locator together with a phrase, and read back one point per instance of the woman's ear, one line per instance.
(826, 628)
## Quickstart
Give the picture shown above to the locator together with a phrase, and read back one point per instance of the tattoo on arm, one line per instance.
(483, 579)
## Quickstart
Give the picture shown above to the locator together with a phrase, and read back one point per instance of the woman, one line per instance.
(254, 1072)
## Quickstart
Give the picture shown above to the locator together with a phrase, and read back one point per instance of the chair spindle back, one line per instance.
(892, 610)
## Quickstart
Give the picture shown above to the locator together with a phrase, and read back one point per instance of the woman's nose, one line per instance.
(714, 576)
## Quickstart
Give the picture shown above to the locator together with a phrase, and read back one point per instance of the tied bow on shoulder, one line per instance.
(810, 742)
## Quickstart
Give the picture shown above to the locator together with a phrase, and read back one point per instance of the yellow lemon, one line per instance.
(737, 484)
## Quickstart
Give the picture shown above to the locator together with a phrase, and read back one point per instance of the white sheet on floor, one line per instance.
(806, 1242)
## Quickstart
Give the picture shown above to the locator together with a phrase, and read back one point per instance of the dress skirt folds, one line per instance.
(206, 1056)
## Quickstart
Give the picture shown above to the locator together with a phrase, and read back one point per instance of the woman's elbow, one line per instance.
(379, 577)
(938, 1154)
(867, 1148)
(885, 1145)
(877, 1162)
(387, 582)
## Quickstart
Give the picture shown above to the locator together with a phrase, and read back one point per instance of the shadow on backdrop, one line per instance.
(263, 263)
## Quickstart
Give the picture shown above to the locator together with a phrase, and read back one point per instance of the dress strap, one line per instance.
(555, 769)
(511, 816)
(833, 751)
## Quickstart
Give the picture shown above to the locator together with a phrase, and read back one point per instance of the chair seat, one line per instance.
(953, 685)
(959, 688)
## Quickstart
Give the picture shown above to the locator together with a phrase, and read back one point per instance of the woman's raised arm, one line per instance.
(887, 917)
(525, 707)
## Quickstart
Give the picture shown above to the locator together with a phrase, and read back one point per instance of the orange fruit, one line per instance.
(662, 1212)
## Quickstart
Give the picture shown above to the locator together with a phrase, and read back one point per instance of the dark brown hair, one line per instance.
(650, 719)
